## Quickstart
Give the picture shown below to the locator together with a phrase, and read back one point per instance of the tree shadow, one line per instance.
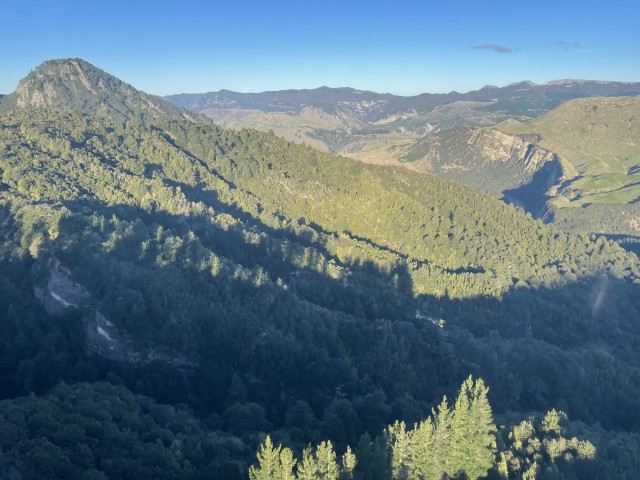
(303, 333)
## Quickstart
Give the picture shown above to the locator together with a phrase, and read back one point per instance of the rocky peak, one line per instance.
(76, 84)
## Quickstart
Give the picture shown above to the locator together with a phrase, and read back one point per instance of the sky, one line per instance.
(400, 47)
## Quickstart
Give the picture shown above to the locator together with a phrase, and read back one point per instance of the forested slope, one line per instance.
(273, 288)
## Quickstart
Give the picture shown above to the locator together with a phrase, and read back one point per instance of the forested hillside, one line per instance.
(271, 288)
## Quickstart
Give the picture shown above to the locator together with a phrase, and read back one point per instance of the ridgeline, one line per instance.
(272, 288)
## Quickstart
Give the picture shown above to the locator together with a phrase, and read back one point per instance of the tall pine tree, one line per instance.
(269, 465)
(454, 442)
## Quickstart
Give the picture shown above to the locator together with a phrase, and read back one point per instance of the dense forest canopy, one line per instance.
(264, 287)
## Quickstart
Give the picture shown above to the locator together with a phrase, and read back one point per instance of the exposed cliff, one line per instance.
(485, 159)
(58, 293)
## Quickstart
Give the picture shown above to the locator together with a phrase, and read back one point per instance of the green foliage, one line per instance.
(454, 441)
(313, 297)
(473, 430)
(619, 222)
(277, 463)
(287, 464)
(235, 242)
(551, 422)
(349, 463)
(269, 462)
(326, 460)
(460, 442)
(101, 431)
(308, 467)
(538, 445)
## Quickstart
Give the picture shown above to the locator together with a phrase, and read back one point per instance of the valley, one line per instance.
(174, 292)
(585, 133)
(363, 124)
(599, 141)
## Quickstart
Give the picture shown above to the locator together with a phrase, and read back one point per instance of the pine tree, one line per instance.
(453, 442)
(308, 468)
(461, 430)
(349, 462)
(268, 462)
(482, 442)
(399, 444)
(424, 462)
(287, 462)
(327, 462)
(442, 438)
(381, 460)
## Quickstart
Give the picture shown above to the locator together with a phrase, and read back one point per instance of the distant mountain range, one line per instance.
(379, 128)
(369, 108)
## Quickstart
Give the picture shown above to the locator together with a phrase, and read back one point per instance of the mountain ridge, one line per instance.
(293, 100)
(369, 126)
(319, 297)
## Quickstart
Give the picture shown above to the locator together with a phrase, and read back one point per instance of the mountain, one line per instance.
(369, 107)
(598, 141)
(589, 145)
(369, 126)
(270, 287)
(75, 83)
(599, 138)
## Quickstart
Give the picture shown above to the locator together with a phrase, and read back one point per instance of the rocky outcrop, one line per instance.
(59, 293)
(484, 159)
(75, 84)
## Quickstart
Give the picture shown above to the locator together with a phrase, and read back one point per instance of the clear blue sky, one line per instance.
(400, 47)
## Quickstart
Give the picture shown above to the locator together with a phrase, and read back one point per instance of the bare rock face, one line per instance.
(104, 339)
(38, 91)
(60, 293)
(484, 159)
(75, 84)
